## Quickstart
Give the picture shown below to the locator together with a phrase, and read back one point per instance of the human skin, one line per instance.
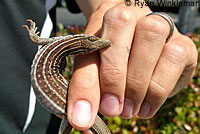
(137, 73)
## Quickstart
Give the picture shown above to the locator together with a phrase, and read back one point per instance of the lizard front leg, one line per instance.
(33, 34)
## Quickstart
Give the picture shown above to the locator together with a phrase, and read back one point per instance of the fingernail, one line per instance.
(128, 108)
(145, 109)
(110, 105)
(81, 114)
(87, 132)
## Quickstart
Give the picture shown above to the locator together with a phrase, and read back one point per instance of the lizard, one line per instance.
(49, 85)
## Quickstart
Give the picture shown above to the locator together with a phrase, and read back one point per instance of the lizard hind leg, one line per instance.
(33, 34)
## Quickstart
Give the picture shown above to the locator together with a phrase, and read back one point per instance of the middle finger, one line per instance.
(118, 27)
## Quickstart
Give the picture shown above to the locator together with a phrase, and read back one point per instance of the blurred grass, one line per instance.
(178, 115)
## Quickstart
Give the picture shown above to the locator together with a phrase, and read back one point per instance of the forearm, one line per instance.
(89, 6)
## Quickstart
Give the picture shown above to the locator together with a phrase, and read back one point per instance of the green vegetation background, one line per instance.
(179, 115)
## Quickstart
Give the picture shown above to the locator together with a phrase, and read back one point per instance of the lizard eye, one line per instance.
(93, 38)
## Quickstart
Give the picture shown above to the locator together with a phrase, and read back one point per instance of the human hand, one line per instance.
(136, 74)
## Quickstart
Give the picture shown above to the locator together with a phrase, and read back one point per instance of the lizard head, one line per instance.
(93, 43)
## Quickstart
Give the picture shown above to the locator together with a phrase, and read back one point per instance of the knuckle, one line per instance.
(158, 91)
(187, 40)
(118, 16)
(192, 50)
(176, 53)
(135, 83)
(190, 44)
(154, 26)
(112, 76)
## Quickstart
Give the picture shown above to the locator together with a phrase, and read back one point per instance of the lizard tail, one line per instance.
(65, 127)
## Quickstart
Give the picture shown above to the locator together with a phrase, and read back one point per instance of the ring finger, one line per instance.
(149, 40)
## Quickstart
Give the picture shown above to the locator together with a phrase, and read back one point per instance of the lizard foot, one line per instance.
(33, 29)
(33, 34)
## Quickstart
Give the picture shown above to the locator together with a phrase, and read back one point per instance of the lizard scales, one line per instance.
(49, 85)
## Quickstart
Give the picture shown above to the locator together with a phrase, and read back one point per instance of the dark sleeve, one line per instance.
(72, 6)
